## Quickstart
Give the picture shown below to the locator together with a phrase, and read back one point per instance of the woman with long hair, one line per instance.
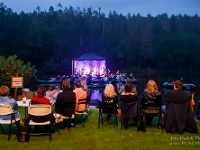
(109, 95)
(151, 95)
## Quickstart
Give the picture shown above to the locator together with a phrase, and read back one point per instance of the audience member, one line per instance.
(151, 95)
(109, 95)
(56, 90)
(65, 96)
(178, 116)
(128, 110)
(122, 88)
(85, 88)
(80, 94)
(5, 99)
(50, 89)
(176, 96)
(41, 99)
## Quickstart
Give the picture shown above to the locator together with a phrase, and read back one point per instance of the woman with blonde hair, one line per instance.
(151, 95)
(109, 95)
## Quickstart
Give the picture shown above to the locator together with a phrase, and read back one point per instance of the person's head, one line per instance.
(41, 92)
(128, 88)
(109, 91)
(50, 88)
(78, 84)
(128, 81)
(83, 84)
(151, 87)
(4, 91)
(178, 84)
(66, 84)
(57, 87)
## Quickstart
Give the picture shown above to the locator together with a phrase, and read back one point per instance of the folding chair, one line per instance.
(107, 108)
(39, 110)
(7, 110)
(67, 112)
(83, 103)
(152, 110)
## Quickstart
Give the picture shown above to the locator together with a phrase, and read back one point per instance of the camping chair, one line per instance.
(107, 108)
(152, 110)
(70, 114)
(7, 110)
(38, 110)
(82, 103)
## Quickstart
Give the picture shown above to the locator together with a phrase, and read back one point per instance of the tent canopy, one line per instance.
(90, 56)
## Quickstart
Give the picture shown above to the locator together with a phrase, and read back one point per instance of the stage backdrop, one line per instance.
(89, 63)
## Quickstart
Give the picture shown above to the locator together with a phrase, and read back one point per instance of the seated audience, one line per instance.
(129, 108)
(128, 96)
(5, 99)
(65, 96)
(50, 89)
(178, 114)
(122, 88)
(41, 99)
(80, 94)
(56, 90)
(109, 95)
(176, 96)
(85, 88)
(151, 95)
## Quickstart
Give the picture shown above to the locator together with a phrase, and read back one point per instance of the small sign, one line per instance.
(17, 82)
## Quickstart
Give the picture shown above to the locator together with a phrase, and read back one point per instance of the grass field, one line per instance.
(105, 138)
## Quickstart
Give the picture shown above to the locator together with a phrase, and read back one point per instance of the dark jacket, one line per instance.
(179, 118)
(66, 96)
(130, 111)
(151, 98)
(177, 96)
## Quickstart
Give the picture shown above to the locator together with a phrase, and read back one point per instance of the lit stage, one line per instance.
(89, 63)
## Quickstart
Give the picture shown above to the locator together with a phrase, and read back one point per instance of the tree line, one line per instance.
(52, 38)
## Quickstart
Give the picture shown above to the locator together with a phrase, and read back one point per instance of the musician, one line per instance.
(113, 80)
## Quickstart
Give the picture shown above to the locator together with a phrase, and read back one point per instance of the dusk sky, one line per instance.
(144, 7)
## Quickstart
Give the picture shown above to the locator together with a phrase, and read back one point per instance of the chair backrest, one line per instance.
(152, 108)
(83, 103)
(107, 107)
(68, 108)
(39, 110)
(5, 109)
(130, 110)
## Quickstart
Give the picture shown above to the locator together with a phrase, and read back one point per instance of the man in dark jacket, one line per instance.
(178, 114)
(66, 96)
(176, 96)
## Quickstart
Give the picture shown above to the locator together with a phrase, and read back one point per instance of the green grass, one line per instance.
(104, 138)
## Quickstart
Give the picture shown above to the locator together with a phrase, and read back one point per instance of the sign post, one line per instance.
(17, 82)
